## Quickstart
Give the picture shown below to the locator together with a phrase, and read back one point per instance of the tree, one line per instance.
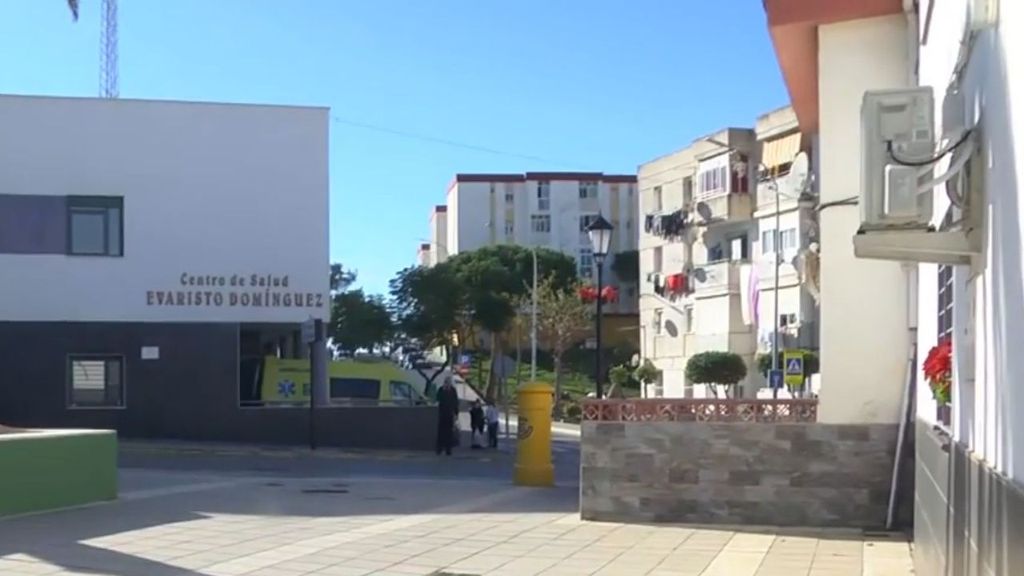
(724, 368)
(430, 305)
(359, 321)
(626, 266)
(619, 377)
(647, 372)
(341, 279)
(494, 278)
(563, 320)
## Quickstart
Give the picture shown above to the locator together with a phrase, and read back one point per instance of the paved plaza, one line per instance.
(177, 523)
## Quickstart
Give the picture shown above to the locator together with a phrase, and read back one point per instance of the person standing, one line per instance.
(491, 414)
(447, 412)
(476, 423)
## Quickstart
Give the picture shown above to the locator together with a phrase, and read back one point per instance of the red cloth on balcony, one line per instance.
(609, 294)
(676, 283)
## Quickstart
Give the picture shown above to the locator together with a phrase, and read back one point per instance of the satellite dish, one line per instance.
(800, 174)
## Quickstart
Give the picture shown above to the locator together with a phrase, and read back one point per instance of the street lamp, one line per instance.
(600, 232)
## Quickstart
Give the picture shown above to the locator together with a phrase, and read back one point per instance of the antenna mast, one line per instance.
(108, 50)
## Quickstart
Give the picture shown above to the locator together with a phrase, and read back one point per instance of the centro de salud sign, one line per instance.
(237, 290)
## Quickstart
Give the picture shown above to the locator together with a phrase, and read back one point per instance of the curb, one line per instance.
(322, 453)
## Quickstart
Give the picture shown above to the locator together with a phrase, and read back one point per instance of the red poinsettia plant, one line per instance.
(938, 370)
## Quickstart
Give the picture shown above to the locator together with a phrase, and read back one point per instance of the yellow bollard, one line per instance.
(533, 456)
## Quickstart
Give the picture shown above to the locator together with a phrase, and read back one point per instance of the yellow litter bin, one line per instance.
(533, 456)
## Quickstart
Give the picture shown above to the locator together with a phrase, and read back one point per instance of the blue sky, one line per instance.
(597, 85)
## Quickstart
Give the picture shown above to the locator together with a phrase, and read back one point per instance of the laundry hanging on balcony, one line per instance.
(666, 225)
(676, 284)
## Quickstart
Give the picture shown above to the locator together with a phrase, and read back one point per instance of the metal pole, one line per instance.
(533, 321)
(778, 264)
(597, 355)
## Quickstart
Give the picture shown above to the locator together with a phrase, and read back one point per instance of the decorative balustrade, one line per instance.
(701, 410)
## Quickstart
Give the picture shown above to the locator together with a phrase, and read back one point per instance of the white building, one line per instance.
(438, 245)
(913, 287)
(786, 220)
(152, 253)
(707, 284)
(544, 209)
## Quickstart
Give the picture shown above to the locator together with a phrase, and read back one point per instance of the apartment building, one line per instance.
(787, 238)
(544, 209)
(708, 252)
(950, 273)
(438, 247)
(695, 255)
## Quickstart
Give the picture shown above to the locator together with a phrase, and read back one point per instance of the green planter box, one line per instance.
(48, 469)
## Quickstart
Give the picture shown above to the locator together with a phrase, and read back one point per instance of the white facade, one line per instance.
(549, 210)
(709, 188)
(225, 210)
(864, 304)
(438, 247)
(987, 312)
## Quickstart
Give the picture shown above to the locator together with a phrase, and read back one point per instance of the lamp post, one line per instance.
(600, 232)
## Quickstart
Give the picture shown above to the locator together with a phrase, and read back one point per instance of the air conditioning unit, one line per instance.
(897, 129)
(898, 154)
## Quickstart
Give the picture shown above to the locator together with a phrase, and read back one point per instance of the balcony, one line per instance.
(717, 278)
(724, 208)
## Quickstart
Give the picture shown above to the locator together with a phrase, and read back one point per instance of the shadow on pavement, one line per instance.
(64, 538)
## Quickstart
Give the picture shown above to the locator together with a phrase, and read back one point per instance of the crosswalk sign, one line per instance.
(794, 365)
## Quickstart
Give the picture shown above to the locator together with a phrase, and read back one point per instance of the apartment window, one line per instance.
(768, 242)
(658, 321)
(510, 198)
(96, 382)
(588, 190)
(714, 180)
(585, 221)
(510, 228)
(788, 239)
(540, 223)
(586, 267)
(657, 199)
(95, 225)
(687, 190)
(543, 196)
(658, 257)
(688, 319)
(787, 320)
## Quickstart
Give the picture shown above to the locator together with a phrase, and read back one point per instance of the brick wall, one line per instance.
(782, 474)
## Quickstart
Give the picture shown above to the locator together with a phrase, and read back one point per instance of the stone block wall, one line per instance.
(781, 474)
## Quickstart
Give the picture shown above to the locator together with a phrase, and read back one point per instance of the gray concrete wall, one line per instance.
(737, 473)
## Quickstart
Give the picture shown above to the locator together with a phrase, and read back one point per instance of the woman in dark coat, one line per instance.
(447, 412)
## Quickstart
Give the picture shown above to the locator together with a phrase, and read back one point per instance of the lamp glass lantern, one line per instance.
(600, 232)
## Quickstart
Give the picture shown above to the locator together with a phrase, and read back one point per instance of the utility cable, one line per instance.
(451, 143)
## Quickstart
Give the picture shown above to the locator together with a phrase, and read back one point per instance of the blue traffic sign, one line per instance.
(775, 379)
(795, 365)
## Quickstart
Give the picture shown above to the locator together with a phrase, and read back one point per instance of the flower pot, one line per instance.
(944, 413)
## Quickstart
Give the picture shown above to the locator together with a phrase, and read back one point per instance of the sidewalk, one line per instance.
(290, 527)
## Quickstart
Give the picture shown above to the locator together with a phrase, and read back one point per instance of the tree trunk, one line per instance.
(557, 358)
(493, 377)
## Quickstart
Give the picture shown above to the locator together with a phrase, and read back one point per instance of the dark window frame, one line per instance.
(83, 204)
(70, 402)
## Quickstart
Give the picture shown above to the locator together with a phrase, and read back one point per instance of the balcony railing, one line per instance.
(701, 410)
(717, 277)
(730, 207)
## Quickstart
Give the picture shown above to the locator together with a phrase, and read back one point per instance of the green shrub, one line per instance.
(725, 368)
